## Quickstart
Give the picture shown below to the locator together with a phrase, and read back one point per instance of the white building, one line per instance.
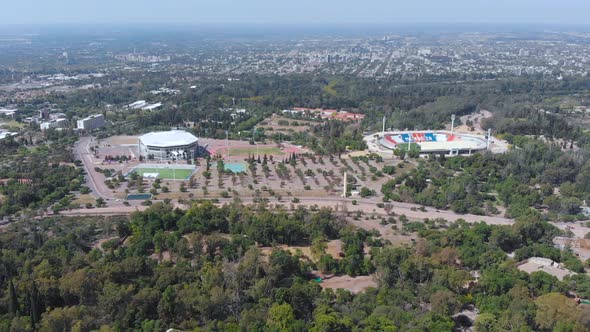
(144, 106)
(168, 145)
(55, 124)
(92, 122)
(8, 112)
(151, 107)
(137, 105)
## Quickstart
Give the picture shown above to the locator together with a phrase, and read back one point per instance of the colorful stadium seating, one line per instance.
(419, 137)
(462, 142)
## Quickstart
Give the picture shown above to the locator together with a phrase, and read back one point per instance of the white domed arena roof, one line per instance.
(168, 138)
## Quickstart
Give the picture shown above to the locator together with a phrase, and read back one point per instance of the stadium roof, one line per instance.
(168, 138)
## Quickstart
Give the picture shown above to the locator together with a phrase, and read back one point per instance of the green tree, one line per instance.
(554, 308)
(13, 306)
(280, 317)
(485, 322)
(318, 247)
(166, 307)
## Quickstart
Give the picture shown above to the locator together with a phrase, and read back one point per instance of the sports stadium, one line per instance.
(168, 145)
(429, 141)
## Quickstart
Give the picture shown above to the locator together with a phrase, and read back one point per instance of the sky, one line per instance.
(294, 11)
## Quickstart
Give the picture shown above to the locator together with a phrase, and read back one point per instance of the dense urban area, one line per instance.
(204, 179)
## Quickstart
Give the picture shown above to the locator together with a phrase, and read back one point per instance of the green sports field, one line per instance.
(166, 173)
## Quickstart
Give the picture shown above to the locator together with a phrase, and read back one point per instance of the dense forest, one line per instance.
(204, 269)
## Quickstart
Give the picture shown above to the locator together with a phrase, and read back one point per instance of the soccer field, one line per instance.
(166, 173)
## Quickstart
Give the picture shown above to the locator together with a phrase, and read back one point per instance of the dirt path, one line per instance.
(106, 211)
(476, 119)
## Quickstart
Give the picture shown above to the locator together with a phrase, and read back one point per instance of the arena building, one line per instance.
(168, 145)
(429, 141)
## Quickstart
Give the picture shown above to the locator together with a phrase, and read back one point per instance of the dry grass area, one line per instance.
(272, 124)
(119, 140)
(83, 199)
(386, 231)
(305, 251)
(164, 256)
(334, 249)
(353, 284)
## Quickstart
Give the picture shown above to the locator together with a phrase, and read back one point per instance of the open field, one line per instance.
(166, 173)
(248, 151)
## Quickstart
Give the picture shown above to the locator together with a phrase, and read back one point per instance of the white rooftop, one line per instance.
(8, 110)
(4, 134)
(137, 104)
(150, 107)
(535, 264)
(168, 138)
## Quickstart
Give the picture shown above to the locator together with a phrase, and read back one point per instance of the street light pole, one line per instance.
(174, 168)
(227, 142)
(452, 123)
(254, 140)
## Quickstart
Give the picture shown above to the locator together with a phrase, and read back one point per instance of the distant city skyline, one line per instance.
(295, 12)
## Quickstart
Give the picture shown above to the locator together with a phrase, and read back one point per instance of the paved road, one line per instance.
(95, 181)
(365, 205)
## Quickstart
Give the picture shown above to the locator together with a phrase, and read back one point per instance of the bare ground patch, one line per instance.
(353, 284)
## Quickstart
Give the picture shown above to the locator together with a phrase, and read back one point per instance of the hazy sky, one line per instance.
(294, 11)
